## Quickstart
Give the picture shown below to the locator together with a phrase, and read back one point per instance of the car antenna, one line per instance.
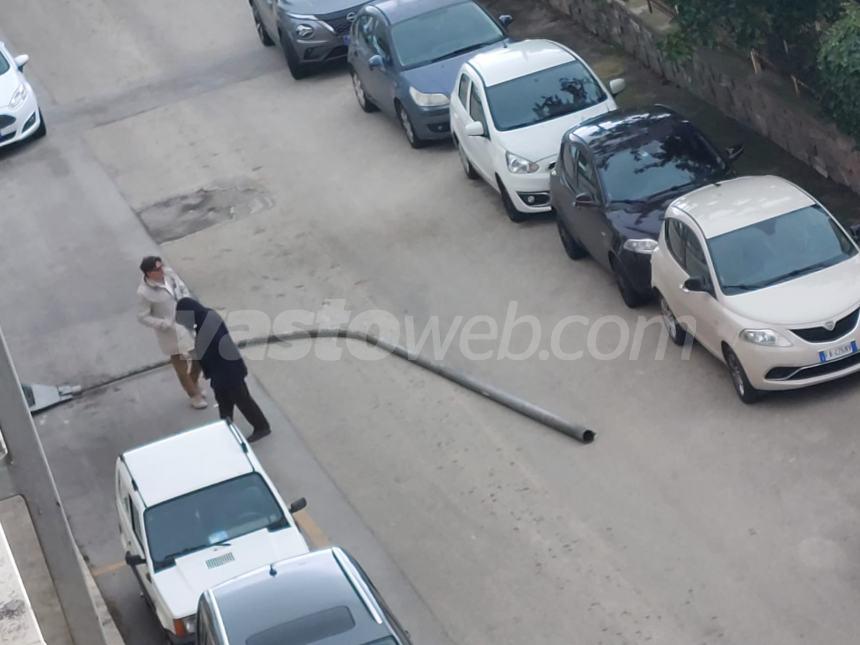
(272, 571)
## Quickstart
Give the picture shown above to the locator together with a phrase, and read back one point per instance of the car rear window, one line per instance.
(544, 95)
(307, 629)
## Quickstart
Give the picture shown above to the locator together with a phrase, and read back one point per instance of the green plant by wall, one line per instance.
(839, 70)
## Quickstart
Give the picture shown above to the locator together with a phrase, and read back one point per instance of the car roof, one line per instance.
(186, 462)
(736, 203)
(632, 121)
(302, 586)
(519, 59)
(400, 10)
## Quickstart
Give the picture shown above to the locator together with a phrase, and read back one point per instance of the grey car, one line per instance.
(405, 55)
(323, 596)
(310, 32)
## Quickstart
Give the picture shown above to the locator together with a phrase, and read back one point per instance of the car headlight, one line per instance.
(304, 31)
(764, 337)
(520, 166)
(645, 246)
(428, 100)
(18, 96)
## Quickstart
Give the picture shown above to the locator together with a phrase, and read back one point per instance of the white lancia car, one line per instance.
(509, 110)
(765, 279)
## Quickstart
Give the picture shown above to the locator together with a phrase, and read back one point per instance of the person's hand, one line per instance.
(166, 325)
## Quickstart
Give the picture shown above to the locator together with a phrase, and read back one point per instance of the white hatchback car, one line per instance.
(509, 110)
(20, 117)
(195, 510)
(765, 279)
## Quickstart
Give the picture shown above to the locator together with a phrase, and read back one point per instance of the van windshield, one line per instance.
(210, 516)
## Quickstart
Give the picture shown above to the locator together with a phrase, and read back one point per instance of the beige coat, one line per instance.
(157, 309)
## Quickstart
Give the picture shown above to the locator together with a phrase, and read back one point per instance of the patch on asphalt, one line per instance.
(182, 215)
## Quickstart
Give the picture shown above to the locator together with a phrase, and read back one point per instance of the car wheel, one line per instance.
(297, 69)
(360, 95)
(42, 130)
(464, 161)
(514, 214)
(574, 250)
(746, 392)
(629, 295)
(261, 29)
(676, 332)
(408, 129)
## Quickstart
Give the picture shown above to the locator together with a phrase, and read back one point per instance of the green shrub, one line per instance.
(839, 70)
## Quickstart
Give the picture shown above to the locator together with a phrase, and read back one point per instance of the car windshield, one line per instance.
(778, 249)
(544, 95)
(210, 516)
(667, 158)
(443, 33)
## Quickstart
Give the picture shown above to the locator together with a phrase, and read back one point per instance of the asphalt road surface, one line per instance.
(691, 519)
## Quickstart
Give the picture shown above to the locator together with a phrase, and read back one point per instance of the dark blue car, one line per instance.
(404, 56)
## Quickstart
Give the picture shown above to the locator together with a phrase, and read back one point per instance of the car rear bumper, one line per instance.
(21, 122)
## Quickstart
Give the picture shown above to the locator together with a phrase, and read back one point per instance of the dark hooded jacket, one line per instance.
(218, 355)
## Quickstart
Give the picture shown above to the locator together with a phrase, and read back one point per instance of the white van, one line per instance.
(197, 509)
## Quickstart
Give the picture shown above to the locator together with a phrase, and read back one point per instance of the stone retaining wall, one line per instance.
(764, 102)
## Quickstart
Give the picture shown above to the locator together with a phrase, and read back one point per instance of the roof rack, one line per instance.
(358, 585)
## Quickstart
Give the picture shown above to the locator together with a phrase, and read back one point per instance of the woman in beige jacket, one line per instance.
(158, 294)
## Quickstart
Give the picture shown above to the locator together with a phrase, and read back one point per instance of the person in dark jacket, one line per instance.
(222, 364)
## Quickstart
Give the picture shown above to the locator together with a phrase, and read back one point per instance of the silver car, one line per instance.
(310, 32)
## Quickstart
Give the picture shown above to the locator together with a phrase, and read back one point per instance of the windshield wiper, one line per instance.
(803, 271)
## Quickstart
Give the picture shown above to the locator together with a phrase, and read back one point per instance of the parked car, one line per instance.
(614, 177)
(322, 597)
(765, 279)
(309, 32)
(20, 117)
(510, 109)
(404, 57)
(196, 509)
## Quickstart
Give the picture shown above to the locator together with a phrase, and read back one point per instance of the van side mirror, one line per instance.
(617, 85)
(134, 560)
(734, 152)
(298, 505)
(505, 19)
(375, 62)
(20, 61)
(854, 229)
(475, 129)
(696, 285)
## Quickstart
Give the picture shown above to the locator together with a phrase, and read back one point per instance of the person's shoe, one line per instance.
(199, 403)
(259, 434)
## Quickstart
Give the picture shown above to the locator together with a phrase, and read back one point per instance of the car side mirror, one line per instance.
(376, 62)
(505, 19)
(475, 129)
(854, 229)
(20, 61)
(734, 152)
(300, 504)
(617, 85)
(696, 285)
(583, 199)
(134, 560)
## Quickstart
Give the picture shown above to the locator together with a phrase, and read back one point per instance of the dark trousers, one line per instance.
(239, 396)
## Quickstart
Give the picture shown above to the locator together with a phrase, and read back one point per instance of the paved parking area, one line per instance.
(691, 519)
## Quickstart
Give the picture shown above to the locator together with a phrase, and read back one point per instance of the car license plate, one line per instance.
(838, 352)
(346, 40)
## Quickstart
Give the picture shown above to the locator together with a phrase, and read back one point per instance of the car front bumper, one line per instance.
(798, 366)
(323, 46)
(432, 124)
(637, 268)
(529, 193)
(20, 123)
